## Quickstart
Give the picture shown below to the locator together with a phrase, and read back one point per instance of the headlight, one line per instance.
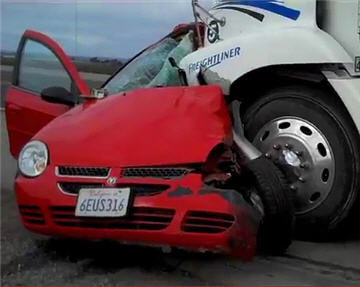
(33, 159)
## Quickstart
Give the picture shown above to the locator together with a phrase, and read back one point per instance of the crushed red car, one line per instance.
(159, 165)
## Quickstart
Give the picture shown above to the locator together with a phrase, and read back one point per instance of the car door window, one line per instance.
(40, 69)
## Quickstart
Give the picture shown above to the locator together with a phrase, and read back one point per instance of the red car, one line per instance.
(152, 166)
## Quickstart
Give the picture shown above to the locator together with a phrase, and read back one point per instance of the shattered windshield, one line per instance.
(152, 68)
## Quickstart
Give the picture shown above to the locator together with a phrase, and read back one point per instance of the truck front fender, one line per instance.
(226, 61)
(348, 89)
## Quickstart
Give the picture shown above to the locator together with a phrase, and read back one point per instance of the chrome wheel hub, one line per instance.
(306, 155)
(291, 158)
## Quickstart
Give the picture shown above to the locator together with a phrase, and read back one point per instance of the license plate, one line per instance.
(102, 202)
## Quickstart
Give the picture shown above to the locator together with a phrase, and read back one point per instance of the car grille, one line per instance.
(74, 187)
(32, 214)
(83, 171)
(136, 189)
(139, 218)
(155, 172)
(206, 222)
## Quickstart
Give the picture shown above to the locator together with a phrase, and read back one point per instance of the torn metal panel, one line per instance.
(213, 78)
(235, 198)
(243, 235)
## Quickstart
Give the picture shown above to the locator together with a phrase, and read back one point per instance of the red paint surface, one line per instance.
(239, 239)
(26, 114)
(158, 126)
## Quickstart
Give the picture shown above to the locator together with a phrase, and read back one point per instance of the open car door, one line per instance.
(40, 64)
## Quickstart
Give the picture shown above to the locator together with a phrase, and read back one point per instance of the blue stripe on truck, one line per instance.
(268, 5)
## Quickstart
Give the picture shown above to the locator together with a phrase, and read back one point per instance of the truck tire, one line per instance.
(312, 137)
(276, 231)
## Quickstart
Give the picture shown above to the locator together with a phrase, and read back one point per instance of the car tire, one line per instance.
(276, 231)
(305, 128)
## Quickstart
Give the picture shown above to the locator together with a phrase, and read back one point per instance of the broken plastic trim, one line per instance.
(220, 165)
(96, 94)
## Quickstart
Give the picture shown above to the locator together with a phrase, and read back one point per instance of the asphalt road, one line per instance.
(29, 259)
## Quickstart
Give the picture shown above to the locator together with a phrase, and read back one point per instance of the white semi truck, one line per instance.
(295, 67)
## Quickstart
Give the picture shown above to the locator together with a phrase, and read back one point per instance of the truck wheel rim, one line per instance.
(306, 155)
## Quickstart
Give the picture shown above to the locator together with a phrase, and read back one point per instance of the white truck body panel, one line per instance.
(265, 33)
(349, 92)
(264, 48)
(341, 19)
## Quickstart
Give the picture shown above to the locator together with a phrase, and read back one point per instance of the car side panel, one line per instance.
(26, 114)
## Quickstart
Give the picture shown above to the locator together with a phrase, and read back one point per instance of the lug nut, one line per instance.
(276, 146)
(287, 146)
(301, 179)
(293, 187)
(298, 153)
(267, 155)
(304, 165)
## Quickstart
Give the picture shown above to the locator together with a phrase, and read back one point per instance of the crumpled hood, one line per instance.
(146, 127)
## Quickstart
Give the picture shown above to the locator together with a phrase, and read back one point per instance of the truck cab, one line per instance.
(295, 67)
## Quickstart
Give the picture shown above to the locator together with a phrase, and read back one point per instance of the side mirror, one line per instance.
(58, 95)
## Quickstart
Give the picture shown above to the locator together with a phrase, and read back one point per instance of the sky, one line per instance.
(103, 28)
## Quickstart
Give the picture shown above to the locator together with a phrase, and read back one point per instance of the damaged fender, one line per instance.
(215, 79)
(243, 236)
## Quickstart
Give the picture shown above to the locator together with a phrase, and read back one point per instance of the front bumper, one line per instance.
(188, 214)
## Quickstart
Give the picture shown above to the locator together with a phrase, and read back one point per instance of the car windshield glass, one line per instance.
(143, 69)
